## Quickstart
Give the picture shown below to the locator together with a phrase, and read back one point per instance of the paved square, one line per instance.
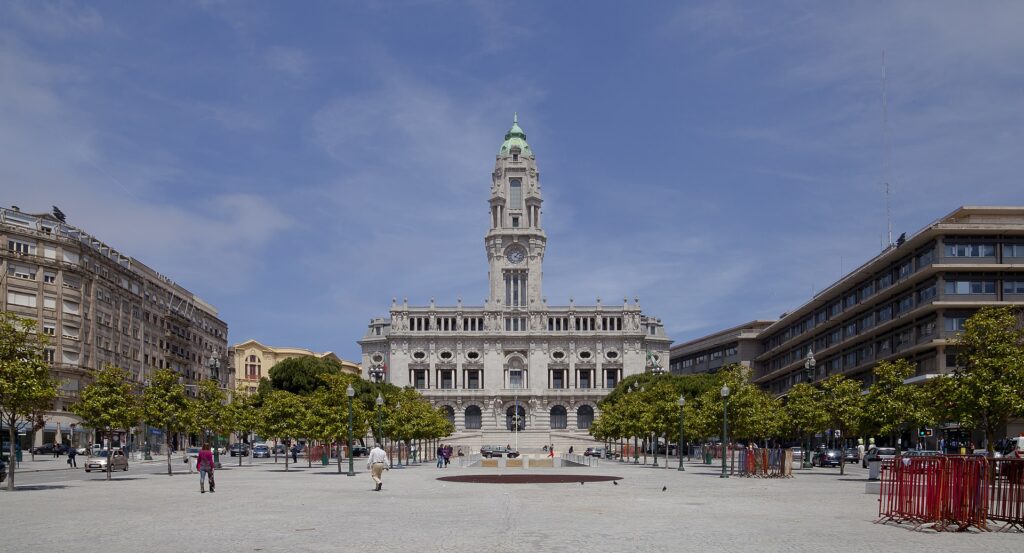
(259, 507)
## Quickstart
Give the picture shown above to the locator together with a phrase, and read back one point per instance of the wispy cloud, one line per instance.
(290, 61)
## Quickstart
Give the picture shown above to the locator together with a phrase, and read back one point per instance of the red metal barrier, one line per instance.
(1006, 497)
(944, 492)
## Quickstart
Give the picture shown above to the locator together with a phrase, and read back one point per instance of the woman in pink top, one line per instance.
(205, 465)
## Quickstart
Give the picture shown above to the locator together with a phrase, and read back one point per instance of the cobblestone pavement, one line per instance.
(262, 508)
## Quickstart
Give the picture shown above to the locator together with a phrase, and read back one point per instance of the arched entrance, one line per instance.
(473, 418)
(515, 418)
(584, 417)
(559, 418)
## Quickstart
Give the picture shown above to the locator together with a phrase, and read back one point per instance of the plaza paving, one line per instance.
(259, 507)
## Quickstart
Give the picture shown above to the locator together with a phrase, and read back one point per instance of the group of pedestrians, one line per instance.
(444, 455)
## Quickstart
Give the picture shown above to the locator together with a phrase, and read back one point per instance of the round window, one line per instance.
(377, 358)
(612, 355)
(473, 355)
(585, 355)
(558, 355)
(419, 355)
(446, 355)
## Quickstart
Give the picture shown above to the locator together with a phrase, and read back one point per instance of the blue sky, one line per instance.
(298, 165)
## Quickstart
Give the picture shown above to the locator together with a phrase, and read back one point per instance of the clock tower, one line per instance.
(515, 242)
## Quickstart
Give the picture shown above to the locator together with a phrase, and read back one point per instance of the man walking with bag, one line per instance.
(377, 462)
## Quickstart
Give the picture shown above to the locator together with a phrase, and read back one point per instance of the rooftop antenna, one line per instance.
(887, 153)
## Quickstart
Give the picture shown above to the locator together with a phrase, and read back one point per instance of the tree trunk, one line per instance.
(12, 456)
(110, 456)
(167, 442)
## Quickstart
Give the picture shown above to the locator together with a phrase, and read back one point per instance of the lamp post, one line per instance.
(808, 378)
(214, 365)
(351, 393)
(398, 406)
(725, 428)
(679, 445)
(380, 423)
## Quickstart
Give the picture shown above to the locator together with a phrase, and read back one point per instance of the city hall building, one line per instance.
(515, 370)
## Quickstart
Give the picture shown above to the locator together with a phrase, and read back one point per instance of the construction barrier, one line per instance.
(1006, 494)
(941, 492)
(764, 463)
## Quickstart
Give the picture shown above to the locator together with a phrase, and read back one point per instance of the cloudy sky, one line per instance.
(298, 165)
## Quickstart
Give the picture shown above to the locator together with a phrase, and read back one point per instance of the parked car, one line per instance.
(876, 453)
(1014, 448)
(360, 451)
(851, 455)
(829, 458)
(921, 453)
(240, 450)
(118, 461)
(261, 451)
(45, 449)
(280, 449)
(489, 451)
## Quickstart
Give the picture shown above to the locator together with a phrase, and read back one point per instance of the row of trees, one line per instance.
(981, 394)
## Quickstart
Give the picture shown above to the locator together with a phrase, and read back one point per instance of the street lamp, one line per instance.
(380, 423)
(350, 392)
(679, 445)
(214, 365)
(398, 406)
(808, 378)
(725, 427)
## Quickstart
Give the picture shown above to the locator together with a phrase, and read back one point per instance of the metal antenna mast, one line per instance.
(887, 153)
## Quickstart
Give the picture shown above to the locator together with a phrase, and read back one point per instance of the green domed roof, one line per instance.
(515, 137)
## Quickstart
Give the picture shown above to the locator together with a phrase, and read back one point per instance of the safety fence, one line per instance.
(584, 460)
(953, 492)
(764, 463)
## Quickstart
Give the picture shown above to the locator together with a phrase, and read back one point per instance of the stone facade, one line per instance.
(252, 360)
(515, 369)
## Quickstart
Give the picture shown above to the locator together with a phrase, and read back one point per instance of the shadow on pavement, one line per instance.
(37, 487)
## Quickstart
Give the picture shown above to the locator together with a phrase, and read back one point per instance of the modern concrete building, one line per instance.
(252, 360)
(739, 344)
(99, 306)
(909, 301)
(515, 370)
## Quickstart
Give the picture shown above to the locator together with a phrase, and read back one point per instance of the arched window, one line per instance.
(515, 194)
(516, 374)
(473, 418)
(253, 369)
(515, 418)
(558, 418)
(584, 417)
(449, 413)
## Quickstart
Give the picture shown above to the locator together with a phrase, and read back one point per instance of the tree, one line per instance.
(281, 417)
(108, 403)
(26, 386)
(753, 414)
(302, 375)
(242, 414)
(890, 404)
(845, 407)
(165, 406)
(989, 379)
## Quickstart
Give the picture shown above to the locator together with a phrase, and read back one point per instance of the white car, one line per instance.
(1015, 448)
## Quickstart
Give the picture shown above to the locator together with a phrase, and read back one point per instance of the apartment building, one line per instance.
(253, 361)
(739, 344)
(100, 306)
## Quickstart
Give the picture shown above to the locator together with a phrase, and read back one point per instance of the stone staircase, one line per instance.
(529, 441)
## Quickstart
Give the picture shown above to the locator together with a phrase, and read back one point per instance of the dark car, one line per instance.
(829, 458)
(851, 455)
(360, 451)
(46, 449)
(239, 450)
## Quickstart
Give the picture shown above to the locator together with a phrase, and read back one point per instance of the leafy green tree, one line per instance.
(109, 402)
(281, 417)
(988, 384)
(242, 414)
(805, 406)
(753, 414)
(302, 375)
(209, 411)
(26, 386)
(165, 406)
(844, 404)
(890, 405)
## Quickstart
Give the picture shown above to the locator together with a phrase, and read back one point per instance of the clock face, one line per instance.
(515, 255)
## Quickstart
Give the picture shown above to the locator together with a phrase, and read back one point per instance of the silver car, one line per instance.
(119, 461)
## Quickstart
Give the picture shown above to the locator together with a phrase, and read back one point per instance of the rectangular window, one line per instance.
(954, 323)
(69, 332)
(49, 252)
(50, 329)
(515, 194)
(24, 272)
(515, 222)
(420, 379)
(906, 303)
(69, 357)
(473, 380)
(558, 379)
(22, 299)
(867, 321)
(447, 380)
(21, 246)
(515, 379)
(1013, 287)
(884, 281)
(71, 307)
(70, 257)
(926, 294)
(970, 250)
(49, 278)
(611, 378)
(905, 269)
(1013, 250)
(49, 355)
(956, 287)
(926, 258)
(885, 313)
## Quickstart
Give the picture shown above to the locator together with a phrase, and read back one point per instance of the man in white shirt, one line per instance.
(377, 462)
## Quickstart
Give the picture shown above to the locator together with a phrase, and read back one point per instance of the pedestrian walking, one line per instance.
(204, 463)
(440, 456)
(72, 453)
(447, 455)
(570, 450)
(551, 451)
(295, 453)
(377, 462)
